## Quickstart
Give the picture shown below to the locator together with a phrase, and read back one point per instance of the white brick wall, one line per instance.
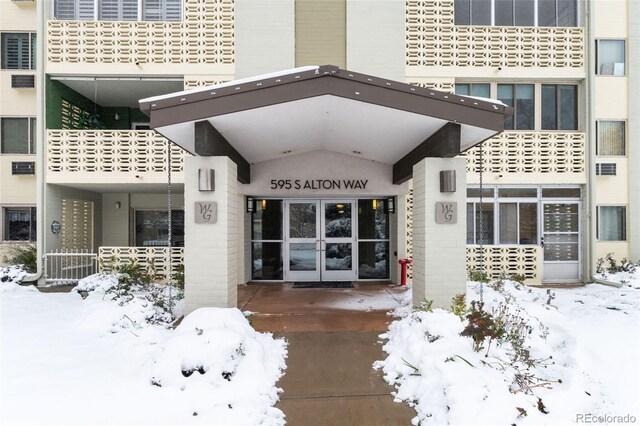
(210, 253)
(439, 251)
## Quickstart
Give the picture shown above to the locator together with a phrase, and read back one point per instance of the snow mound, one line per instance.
(436, 371)
(214, 351)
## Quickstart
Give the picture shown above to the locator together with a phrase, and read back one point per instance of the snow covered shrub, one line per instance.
(459, 305)
(478, 276)
(13, 274)
(25, 256)
(481, 326)
(612, 266)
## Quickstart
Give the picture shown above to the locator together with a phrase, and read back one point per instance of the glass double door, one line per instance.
(319, 240)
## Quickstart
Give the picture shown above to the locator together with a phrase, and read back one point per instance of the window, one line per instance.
(481, 90)
(18, 51)
(19, 224)
(17, 135)
(480, 231)
(119, 10)
(610, 138)
(612, 223)
(518, 223)
(541, 13)
(152, 228)
(521, 98)
(559, 107)
(373, 239)
(610, 56)
(266, 240)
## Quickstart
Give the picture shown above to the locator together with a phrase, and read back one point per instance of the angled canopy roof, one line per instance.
(324, 108)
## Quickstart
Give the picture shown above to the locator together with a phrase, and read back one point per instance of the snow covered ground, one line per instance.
(587, 341)
(69, 361)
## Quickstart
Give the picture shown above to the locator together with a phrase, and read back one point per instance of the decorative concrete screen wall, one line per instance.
(156, 258)
(433, 40)
(205, 36)
(509, 260)
(110, 151)
(531, 157)
(77, 225)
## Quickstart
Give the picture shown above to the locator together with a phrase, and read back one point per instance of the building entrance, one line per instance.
(320, 241)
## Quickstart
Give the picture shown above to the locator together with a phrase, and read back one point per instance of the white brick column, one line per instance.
(210, 258)
(439, 250)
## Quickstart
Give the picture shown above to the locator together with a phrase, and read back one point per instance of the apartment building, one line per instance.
(559, 188)
(18, 30)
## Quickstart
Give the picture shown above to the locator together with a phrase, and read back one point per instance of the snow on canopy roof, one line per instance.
(232, 83)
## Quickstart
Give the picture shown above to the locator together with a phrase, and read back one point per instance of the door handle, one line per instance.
(317, 245)
(324, 245)
(541, 241)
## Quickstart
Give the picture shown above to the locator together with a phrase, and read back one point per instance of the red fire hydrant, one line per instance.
(403, 274)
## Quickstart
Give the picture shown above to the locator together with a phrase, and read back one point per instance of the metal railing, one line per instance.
(69, 266)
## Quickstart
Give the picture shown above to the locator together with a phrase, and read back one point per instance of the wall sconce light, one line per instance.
(117, 116)
(391, 205)
(206, 180)
(447, 181)
(118, 204)
(264, 204)
(249, 204)
(374, 204)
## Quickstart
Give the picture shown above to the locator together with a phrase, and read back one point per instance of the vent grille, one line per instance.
(605, 169)
(23, 168)
(23, 81)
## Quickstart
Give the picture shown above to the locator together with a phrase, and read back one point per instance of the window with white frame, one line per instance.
(118, 10)
(19, 224)
(559, 107)
(18, 51)
(611, 55)
(18, 135)
(610, 138)
(612, 223)
(539, 13)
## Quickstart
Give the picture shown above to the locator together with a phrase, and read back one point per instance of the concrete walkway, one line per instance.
(333, 342)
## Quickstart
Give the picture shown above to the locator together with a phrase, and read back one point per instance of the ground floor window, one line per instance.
(266, 240)
(152, 228)
(612, 223)
(373, 239)
(19, 224)
(513, 215)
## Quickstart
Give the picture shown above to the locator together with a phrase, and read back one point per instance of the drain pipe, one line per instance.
(591, 124)
(41, 141)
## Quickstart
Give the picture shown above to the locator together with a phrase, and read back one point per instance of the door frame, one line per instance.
(552, 266)
(314, 275)
(339, 275)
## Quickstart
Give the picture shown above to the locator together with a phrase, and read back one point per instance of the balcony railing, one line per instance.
(205, 36)
(557, 154)
(153, 259)
(111, 151)
(433, 40)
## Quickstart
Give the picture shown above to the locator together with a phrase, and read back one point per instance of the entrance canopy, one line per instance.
(324, 108)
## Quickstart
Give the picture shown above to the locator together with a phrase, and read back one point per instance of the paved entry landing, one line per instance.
(333, 342)
(280, 307)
